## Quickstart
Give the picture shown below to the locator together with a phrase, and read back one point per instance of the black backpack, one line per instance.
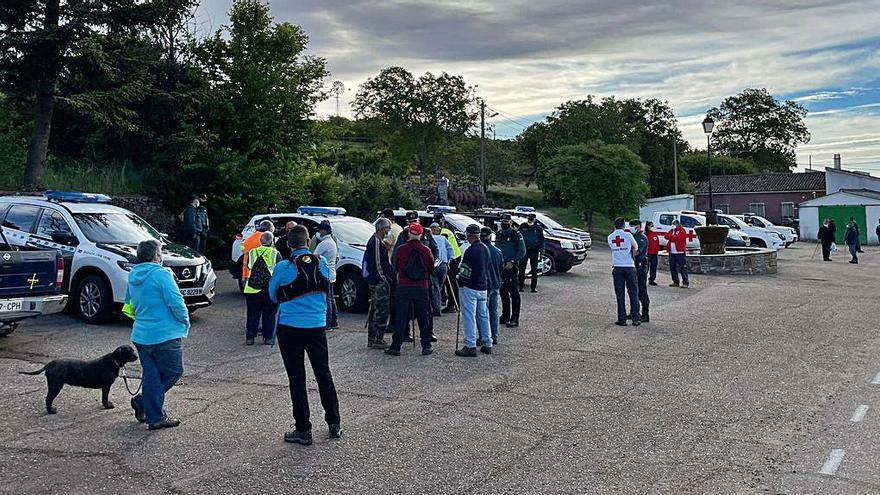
(309, 279)
(260, 275)
(415, 269)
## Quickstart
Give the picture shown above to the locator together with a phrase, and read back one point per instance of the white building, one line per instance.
(677, 202)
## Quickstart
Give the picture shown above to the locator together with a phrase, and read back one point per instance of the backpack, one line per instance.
(415, 269)
(309, 279)
(260, 275)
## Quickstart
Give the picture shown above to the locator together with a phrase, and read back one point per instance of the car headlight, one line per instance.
(207, 265)
(780, 236)
(125, 265)
(566, 244)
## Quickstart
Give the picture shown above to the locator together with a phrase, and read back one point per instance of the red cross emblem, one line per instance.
(618, 241)
(691, 235)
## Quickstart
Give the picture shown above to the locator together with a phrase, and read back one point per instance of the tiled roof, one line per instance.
(800, 181)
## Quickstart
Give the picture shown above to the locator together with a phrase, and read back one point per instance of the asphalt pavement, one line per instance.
(738, 385)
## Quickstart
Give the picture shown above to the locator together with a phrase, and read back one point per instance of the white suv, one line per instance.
(351, 236)
(759, 237)
(99, 245)
(788, 234)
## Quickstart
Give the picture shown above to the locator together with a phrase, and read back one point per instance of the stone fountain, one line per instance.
(713, 237)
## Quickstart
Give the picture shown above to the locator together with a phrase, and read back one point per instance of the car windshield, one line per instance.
(459, 221)
(548, 222)
(353, 231)
(115, 228)
(739, 223)
(763, 222)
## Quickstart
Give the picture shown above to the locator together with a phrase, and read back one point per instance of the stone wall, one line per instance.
(737, 261)
(152, 210)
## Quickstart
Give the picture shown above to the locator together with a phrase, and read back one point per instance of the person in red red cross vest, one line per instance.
(653, 251)
(676, 245)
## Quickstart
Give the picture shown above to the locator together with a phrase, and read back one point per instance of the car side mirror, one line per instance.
(461, 237)
(65, 238)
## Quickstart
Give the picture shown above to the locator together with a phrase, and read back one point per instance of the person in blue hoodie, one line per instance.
(161, 322)
(302, 329)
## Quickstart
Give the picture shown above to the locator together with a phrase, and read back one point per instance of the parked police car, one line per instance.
(351, 235)
(99, 245)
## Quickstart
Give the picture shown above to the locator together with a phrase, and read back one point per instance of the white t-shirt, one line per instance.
(621, 244)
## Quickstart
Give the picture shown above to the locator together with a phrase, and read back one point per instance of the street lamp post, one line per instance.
(708, 126)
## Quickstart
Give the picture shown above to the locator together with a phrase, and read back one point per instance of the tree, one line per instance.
(599, 178)
(755, 125)
(693, 165)
(504, 162)
(419, 116)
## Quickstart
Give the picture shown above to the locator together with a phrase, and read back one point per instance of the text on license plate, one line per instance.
(580, 257)
(191, 292)
(10, 306)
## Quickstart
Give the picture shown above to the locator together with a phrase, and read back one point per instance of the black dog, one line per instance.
(98, 373)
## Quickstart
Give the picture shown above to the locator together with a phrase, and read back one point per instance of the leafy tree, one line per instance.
(13, 144)
(504, 162)
(599, 178)
(694, 165)
(369, 193)
(755, 125)
(419, 117)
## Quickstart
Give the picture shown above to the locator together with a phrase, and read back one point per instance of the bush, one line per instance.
(370, 193)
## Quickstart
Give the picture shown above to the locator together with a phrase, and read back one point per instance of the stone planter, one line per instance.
(712, 238)
(736, 261)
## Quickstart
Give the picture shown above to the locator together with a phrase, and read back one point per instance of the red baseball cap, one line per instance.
(416, 229)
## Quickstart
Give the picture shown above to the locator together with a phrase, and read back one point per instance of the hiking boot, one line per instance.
(620, 323)
(165, 423)
(379, 344)
(685, 286)
(433, 338)
(300, 437)
(138, 411)
(512, 324)
(534, 291)
(466, 352)
(392, 352)
(427, 351)
(335, 431)
(673, 284)
(486, 350)
(249, 341)
(636, 323)
(268, 341)
(645, 319)
(652, 283)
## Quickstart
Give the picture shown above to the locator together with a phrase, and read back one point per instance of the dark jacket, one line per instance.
(533, 235)
(851, 236)
(825, 235)
(376, 267)
(496, 265)
(642, 243)
(511, 244)
(474, 272)
(404, 253)
(189, 228)
(202, 224)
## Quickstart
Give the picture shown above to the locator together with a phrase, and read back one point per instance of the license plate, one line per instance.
(580, 257)
(10, 306)
(191, 292)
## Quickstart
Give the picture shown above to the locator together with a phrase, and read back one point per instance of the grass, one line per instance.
(76, 175)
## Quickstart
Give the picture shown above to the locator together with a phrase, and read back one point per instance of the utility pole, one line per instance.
(483, 145)
(675, 163)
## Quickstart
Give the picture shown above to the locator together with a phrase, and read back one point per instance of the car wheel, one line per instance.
(759, 243)
(547, 264)
(94, 300)
(354, 294)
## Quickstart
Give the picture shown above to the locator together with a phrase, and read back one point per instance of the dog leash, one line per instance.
(125, 381)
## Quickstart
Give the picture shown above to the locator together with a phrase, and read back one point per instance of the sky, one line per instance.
(526, 57)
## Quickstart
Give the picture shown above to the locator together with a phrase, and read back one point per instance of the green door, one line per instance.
(841, 215)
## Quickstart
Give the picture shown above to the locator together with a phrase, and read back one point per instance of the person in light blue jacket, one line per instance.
(161, 322)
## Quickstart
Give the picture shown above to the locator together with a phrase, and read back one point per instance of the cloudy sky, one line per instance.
(527, 56)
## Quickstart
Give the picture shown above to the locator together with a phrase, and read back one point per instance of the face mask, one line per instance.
(505, 225)
(636, 229)
(531, 221)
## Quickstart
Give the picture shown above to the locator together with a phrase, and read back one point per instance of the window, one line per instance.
(115, 228)
(52, 222)
(666, 219)
(728, 222)
(757, 209)
(22, 217)
(689, 222)
(786, 210)
(723, 209)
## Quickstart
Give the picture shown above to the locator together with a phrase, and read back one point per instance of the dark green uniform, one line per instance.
(641, 259)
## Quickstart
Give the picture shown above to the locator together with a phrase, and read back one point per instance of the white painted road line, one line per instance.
(876, 380)
(859, 414)
(833, 462)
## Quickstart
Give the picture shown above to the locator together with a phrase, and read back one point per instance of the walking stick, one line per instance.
(457, 313)
(815, 250)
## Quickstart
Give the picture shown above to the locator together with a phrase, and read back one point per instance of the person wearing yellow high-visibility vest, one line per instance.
(260, 308)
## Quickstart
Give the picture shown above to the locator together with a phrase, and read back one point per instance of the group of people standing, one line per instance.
(827, 236)
(409, 269)
(194, 224)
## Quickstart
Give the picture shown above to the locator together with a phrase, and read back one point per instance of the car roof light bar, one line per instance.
(75, 197)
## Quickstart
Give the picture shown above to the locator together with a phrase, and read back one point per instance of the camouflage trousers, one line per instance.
(380, 307)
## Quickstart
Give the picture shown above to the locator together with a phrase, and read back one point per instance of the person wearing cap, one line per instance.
(414, 264)
(202, 224)
(189, 218)
(412, 217)
(513, 249)
(395, 231)
(326, 247)
(676, 245)
(496, 265)
(441, 268)
(253, 241)
(623, 249)
(281, 243)
(533, 237)
(641, 259)
(379, 276)
(653, 251)
(454, 262)
(473, 282)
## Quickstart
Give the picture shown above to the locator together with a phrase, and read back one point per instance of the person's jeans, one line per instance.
(532, 256)
(625, 281)
(678, 266)
(260, 308)
(415, 298)
(294, 343)
(642, 276)
(162, 366)
(438, 279)
(510, 298)
(332, 315)
(652, 267)
(475, 315)
(853, 249)
(492, 295)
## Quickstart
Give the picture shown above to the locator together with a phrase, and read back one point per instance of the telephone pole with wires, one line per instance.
(483, 181)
